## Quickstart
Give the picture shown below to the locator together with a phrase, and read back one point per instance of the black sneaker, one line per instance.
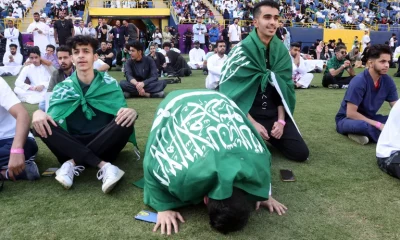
(205, 72)
(30, 173)
(158, 95)
(333, 86)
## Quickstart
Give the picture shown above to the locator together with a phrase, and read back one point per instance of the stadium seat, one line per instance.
(150, 4)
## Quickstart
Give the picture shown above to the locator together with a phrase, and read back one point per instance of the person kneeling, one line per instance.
(87, 122)
(357, 116)
(224, 171)
(17, 146)
(141, 75)
(388, 146)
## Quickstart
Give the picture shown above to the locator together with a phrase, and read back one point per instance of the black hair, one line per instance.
(375, 51)
(64, 48)
(231, 214)
(295, 44)
(340, 47)
(51, 46)
(35, 13)
(79, 40)
(34, 50)
(13, 45)
(137, 45)
(267, 3)
(104, 27)
(219, 41)
(166, 44)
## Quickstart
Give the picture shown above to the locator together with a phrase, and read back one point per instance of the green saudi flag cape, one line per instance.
(245, 71)
(202, 144)
(104, 94)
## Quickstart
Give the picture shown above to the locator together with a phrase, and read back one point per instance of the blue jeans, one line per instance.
(30, 149)
(349, 126)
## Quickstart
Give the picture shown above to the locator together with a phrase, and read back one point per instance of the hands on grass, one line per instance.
(166, 220)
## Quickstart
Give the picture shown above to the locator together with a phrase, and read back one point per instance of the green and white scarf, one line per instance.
(104, 94)
(245, 71)
(202, 144)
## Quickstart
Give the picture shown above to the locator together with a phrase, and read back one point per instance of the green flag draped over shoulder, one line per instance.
(104, 94)
(246, 69)
(202, 144)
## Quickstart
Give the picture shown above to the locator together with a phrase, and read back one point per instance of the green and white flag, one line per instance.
(202, 144)
(245, 71)
(104, 94)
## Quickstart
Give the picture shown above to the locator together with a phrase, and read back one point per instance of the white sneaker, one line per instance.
(65, 175)
(110, 175)
(359, 138)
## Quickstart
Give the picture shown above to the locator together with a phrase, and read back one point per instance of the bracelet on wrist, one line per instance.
(282, 122)
(378, 125)
(17, 150)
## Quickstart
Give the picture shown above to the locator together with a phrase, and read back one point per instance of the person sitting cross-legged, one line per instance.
(335, 68)
(88, 122)
(12, 61)
(141, 75)
(357, 116)
(33, 80)
(196, 56)
(229, 172)
(17, 146)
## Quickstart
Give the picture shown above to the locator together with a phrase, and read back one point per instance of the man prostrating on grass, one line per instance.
(202, 148)
(88, 122)
(357, 116)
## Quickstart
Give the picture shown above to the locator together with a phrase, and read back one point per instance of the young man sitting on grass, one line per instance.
(335, 68)
(88, 122)
(388, 146)
(17, 146)
(202, 147)
(357, 116)
(141, 75)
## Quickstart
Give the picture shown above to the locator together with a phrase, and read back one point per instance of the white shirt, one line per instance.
(12, 36)
(234, 33)
(391, 42)
(37, 75)
(81, 31)
(7, 101)
(214, 66)
(365, 40)
(389, 140)
(17, 59)
(98, 63)
(300, 70)
(197, 55)
(198, 32)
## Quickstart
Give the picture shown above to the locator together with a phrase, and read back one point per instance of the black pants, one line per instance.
(291, 144)
(390, 165)
(188, 46)
(151, 87)
(329, 79)
(89, 149)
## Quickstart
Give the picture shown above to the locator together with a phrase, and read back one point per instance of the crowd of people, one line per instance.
(14, 8)
(188, 160)
(127, 4)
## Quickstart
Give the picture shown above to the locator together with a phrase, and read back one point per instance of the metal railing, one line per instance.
(4, 22)
(122, 4)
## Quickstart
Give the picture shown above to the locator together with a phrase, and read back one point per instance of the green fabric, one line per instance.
(246, 69)
(202, 144)
(77, 122)
(334, 63)
(104, 94)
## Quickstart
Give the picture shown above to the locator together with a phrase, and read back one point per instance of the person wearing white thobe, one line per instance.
(50, 36)
(12, 62)
(37, 75)
(11, 34)
(40, 32)
(196, 57)
(214, 66)
(300, 75)
(365, 40)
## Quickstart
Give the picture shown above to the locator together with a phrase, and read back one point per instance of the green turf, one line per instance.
(339, 194)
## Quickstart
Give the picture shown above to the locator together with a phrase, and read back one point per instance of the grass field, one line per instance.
(340, 193)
